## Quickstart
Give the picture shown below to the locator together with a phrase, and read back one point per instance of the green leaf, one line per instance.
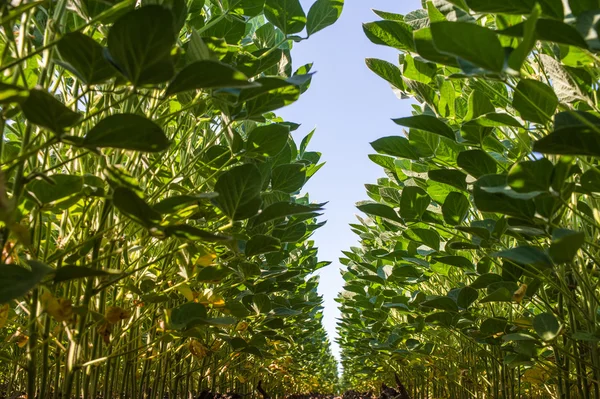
(526, 255)
(54, 188)
(500, 295)
(192, 233)
(288, 178)
(553, 8)
(456, 261)
(590, 180)
(268, 140)
(428, 237)
(413, 203)
(43, 109)
(134, 207)
(260, 303)
(281, 210)
(322, 14)
(546, 326)
(451, 177)
(565, 245)
(396, 146)
(571, 140)
(287, 15)
(188, 315)
(128, 132)
(84, 57)
(466, 297)
(486, 279)
(529, 176)
(72, 272)
(427, 123)
(551, 31)
(520, 54)
(388, 71)
(262, 244)
(477, 163)
(398, 35)
(205, 75)
(441, 303)
(239, 192)
(16, 281)
(212, 274)
(473, 43)
(140, 44)
(380, 210)
(535, 101)
(499, 202)
(455, 208)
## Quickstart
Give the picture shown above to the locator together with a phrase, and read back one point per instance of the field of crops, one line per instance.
(157, 239)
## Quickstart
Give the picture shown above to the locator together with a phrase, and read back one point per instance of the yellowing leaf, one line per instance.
(59, 308)
(22, 340)
(4, 314)
(115, 314)
(520, 293)
(242, 326)
(216, 346)
(206, 260)
(198, 349)
(186, 291)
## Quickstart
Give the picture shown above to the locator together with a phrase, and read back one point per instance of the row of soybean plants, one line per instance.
(478, 270)
(154, 238)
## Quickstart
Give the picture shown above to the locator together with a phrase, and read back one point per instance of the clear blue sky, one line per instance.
(350, 107)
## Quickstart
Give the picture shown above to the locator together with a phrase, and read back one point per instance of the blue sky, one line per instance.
(350, 107)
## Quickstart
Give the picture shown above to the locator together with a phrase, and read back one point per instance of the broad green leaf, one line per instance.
(212, 274)
(526, 255)
(427, 123)
(127, 131)
(287, 15)
(590, 180)
(455, 208)
(441, 303)
(208, 75)
(500, 295)
(466, 297)
(535, 101)
(549, 30)
(268, 140)
(281, 210)
(261, 244)
(451, 177)
(84, 57)
(250, 8)
(288, 178)
(473, 43)
(546, 326)
(322, 14)
(413, 203)
(192, 233)
(388, 71)
(565, 245)
(54, 188)
(239, 192)
(43, 109)
(140, 43)
(520, 54)
(396, 146)
(553, 8)
(499, 202)
(428, 237)
(528, 176)
(188, 315)
(134, 207)
(398, 35)
(16, 281)
(456, 261)
(425, 47)
(571, 140)
(477, 163)
(486, 279)
(380, 210)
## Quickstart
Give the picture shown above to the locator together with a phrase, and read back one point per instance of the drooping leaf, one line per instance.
(131, 205)
(16, 281)
(208, 74)
(84, 57)
(43, 109)
(427, 123)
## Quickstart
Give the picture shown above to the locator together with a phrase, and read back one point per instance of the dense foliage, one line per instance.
(153, 238)
(477, 274)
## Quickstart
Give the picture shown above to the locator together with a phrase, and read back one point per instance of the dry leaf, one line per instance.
(115, 314)
(105, 329)
(520, 293)
(4, 309)
(206, 260)
(198, 349)
(59, 308)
